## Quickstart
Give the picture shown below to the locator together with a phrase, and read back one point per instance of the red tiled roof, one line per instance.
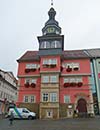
(29, 55)
(67, 54)
(74, 54)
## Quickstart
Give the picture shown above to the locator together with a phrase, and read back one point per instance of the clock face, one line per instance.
(51, 30)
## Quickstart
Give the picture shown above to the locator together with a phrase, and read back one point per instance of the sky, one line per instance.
(21, 22)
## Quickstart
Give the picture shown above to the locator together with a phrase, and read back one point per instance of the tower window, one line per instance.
(55, 44)
(45, 44)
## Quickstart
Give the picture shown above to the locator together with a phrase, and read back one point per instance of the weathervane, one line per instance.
(51, 2)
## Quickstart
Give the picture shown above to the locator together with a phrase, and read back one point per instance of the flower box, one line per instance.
(61, 68)
(66, 85)
(27, 70)
(53, 66)
(33, 85)
(27, 84)
(76, 68)
(69, 69)
(79, 84)
(72, 84)
(34, 69)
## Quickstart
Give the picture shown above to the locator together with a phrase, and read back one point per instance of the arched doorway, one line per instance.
(81, 106)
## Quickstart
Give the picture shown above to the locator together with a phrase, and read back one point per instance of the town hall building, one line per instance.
(54, 82)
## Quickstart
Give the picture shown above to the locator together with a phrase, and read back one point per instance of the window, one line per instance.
(53, 79)
(45, 61)
(50, 61)
(50, 79)
(45, 79)
(53, 97)
(31, 66)
(54, 61)
(45, 44)
(66, 80)
(33, 81)
(29, 99)
(27, 80)
(66, 99)
(75, 65)
(55, 44)
(73, 79)
(79, 79)
(45, 97)
(72, 65)
(26, 99)
(32, 99)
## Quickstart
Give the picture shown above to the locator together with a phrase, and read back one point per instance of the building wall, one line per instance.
(59, 108)
(8, 90)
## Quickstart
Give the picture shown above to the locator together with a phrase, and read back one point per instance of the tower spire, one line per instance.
(51, 2)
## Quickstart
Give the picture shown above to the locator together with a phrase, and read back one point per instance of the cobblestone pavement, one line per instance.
(62, 124)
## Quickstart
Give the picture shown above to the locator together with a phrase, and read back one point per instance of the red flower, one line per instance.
(76, 68)
(27, 84)
(69, 69)
(80, 84)
(61, 68)
(72, 84)
(66, 85)
(33, 85)
(27, 70)
(34, 69)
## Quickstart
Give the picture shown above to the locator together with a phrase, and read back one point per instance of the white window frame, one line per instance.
(66, 98)
(45, 79)
(45, 97)
(27, 80)
(31, 66)
(32, 99)
(75, 65)
(28, 98)
(49, 61)
(53, 79)
(79, 79)
(66, 80)
(53, 97)
(33, 81)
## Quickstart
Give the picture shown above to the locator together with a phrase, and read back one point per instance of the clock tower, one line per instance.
(51, 42)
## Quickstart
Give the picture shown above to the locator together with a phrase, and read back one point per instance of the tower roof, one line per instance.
(51, 22)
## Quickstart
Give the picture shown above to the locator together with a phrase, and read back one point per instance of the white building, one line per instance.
(8, 90)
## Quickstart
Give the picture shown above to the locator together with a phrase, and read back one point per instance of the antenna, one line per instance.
(51, 2)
